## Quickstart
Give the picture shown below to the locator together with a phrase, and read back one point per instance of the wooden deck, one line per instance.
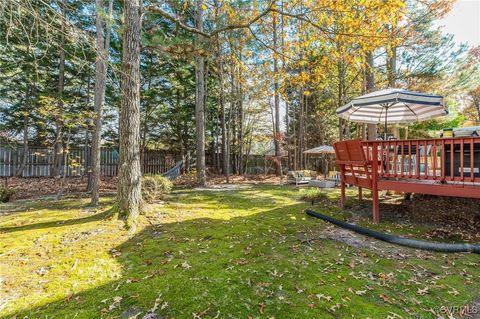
(445, 167)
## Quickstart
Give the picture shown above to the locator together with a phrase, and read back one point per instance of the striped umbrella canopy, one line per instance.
(393, 106)
(323, 149)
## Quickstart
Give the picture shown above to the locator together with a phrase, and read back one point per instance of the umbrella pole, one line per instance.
(385, 128)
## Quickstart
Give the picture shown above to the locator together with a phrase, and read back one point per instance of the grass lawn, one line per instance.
(250, 252)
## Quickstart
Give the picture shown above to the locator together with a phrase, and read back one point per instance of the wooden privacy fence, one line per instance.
(39, 161)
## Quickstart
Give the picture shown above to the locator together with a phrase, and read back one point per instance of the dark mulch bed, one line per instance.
(451, 217)
(439, 210)
(34, 187)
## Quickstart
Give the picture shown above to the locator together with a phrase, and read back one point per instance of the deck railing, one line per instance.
(444, 160)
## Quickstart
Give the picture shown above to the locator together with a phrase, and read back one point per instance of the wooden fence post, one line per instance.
(342, 193)
(375, 204)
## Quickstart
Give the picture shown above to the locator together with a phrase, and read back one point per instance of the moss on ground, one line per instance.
(248, 252)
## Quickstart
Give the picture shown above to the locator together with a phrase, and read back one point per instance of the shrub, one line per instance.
(149, 189)
(6, 194)
(155, 187)
(314, 195)
(164, 184)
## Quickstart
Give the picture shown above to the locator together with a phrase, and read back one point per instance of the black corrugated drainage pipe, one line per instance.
(413, 243)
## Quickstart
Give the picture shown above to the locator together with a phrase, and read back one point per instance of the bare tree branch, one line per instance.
(176, 20)
(230, 27)
(269, 46)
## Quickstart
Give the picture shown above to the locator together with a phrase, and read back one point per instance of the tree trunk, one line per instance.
(129, 195)
(305, 134)
(144, 125)
(240, 119)
(277, 133)
(185, 137)
(20, 169)
(233, 120)
(217, 142)
(65, 155)
(58, 144)
(144, 129)
(392, 77)
(179, 133)
(100, 78)
(233, 145)
(200, 99)
(301, 129)
(88, 141)
(392, 67)
(478, 110)
(222, 116)
(221, 98)
(294, 139)
(287, 124)
(343, 124)
(370, 87)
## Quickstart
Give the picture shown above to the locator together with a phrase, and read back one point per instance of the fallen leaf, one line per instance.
(261, 307)
(423, 291)
(386, 299)
(115, 304)
(453, 292)
(322, 296)
(335, 307)
(130, 280)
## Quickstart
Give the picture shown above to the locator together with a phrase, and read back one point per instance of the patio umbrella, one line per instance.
(323, 149)
(393, 106)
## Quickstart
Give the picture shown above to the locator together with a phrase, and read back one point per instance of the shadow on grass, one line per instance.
(238, 199)
(67, 202)
(68, 222)
(270, 264)
(201, 265)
